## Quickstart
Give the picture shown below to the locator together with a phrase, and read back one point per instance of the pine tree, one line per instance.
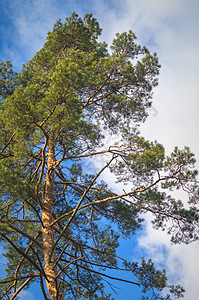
(60, 223)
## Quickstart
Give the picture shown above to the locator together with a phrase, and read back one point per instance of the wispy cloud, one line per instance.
(180, 261)
(169, 27)
(31, 20)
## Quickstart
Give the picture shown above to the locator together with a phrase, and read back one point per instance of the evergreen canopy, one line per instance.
(59, 223)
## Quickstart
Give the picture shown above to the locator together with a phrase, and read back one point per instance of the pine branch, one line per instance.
(21, 287)
(25, 255)
(78, 205)
(22, 233)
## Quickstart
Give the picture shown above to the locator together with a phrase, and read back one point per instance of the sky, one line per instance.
(168, 27)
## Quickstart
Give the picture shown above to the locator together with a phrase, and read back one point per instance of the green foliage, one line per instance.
(68, 96)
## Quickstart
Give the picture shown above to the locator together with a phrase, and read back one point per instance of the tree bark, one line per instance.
(52, 283)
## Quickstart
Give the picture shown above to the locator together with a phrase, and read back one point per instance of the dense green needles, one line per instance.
(60, 225)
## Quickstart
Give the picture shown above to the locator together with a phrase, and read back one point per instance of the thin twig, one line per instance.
(78, 205)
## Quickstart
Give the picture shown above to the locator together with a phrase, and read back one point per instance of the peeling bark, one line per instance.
(47, 232)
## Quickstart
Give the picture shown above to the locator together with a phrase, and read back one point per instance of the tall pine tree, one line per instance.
(60, 224)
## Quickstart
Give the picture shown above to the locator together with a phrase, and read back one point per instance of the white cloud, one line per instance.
(31, 19)
(169, 27)
(181, 261)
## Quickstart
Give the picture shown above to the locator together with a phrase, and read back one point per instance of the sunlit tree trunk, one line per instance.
(52, 282)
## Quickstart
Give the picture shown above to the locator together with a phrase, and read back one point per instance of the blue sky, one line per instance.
(168, 27)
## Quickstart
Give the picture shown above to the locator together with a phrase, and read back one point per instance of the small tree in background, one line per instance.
(59, 223)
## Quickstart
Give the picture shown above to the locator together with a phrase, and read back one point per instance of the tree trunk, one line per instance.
(52, 283)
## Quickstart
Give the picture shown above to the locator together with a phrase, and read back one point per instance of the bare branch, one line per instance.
(99, 88)
(22, 233)
(25, 255)
(78, 205)
(54, 107)
(68, 264)
(23, 258)
(21, 287)
(6, 145)
(41, 172)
